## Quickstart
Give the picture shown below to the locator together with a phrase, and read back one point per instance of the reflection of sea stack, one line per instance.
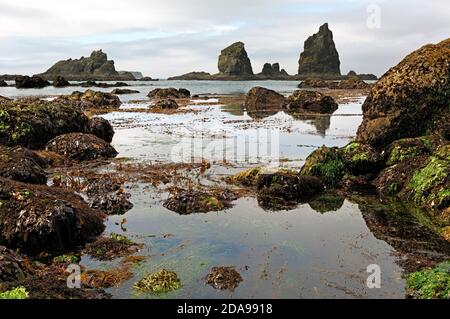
(234, 61)
(320, 56)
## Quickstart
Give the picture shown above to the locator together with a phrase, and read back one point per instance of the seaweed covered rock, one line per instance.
(353, 83)
(37, 218)
(311, 102)
(112, 247)
(224, 278)
(234, 61)
(169, 93)
(32, 123)
(34, 82)
(260, 99)
(362, 159)
(246, 178)
(285, 189)
(190, 202)
(326, 163)
(165, 104)
(159, 282)
(320, 56)
(92, 100)
(22, 165)
(101, 128)
(13, 267)
(314, 83)
(411, 99)
(60, 82)
(430, 283)
(81, 147)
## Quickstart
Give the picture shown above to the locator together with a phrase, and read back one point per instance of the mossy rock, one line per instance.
(430, 283)
(361, 159)
(326, 163)
(159, 282)
(405, 149)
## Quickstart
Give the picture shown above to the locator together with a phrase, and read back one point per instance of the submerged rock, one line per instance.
(234, 61)
(81, 147)
(159, 282)
(411, 99)
(92, 100)
(285, 189)
(311, 102)
(32, 122)
(22, 165)
(112, 247)
(34, 82)
(60, 82)
(320, 56)
(190, 202)
(124, 91)
(170, 93)
(260, 99)
(224, 278)
(37, 218)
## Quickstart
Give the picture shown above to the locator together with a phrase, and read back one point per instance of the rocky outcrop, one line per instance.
(81, 147)
(92, 100)
(234, 61)
(353, 83)
(411, 99)
(320, 56)
(60, 82)
(192, 76)
(22, 165)
(311, 102)
(34, 82)
(260, 99)
(90, 83)
(95, 67)
(315, 83)
(124, 91)
(33, 122)
(272, 71)
(169, 93)
(3, 83)
(37, 218)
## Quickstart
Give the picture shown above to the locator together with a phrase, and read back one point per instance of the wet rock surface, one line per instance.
(165, 104)
(260, 99)
(190, 202)
(34, 82)
(101, 128)
(224, 278)
(311, 102)
(92, 100)
(169, 93)
(22, 165)
(81, 147)
(124, 91)
(37, 218)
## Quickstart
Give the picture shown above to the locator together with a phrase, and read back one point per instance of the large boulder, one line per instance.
(165, 104)
(96, 66)
(326, 163)
(21, 164)
(81, 147)
(92, 100)
(32, 123)
(234, 61)
(411, 99)
(38, 218)
(34, 82)
(260, 99)
(169, 93)
(311, 102)
(320, 56)
(101, 127)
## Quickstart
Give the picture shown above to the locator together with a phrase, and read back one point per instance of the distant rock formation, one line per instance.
(234, 61)
(320, 56)
(273, 71)
(192, 76)
(137, 75)
(95, 67)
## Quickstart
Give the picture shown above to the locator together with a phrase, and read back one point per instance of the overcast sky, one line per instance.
(163, 38)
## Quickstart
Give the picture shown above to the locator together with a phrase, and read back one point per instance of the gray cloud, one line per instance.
(168, 37)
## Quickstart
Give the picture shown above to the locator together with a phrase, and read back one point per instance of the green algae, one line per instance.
(327, 164)
(159, 282)
(430, 283)
(16, 293)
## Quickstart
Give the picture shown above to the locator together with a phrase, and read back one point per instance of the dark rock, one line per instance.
(35, 82)
(22, 165)
(362, 159)
(192, 76)
(311, 102)
(285, 189)
(327, 164)
(166, 104)
(189, 202)
(110, 248)
(37, 218)
(112, 204)
(4, 99)
(352, 73)
(170, 93)
(100, 127)
(314, 83)
(411, 99)
(81, 147)
(124, 91)
(234, 61)
(92, 100)
(224, 278)
(96, 66)
(260, 99)
(3, 83)
(60, 82)
(353, 83)
(13, 267)
(320, 55)
(102, 85)
(32, 123)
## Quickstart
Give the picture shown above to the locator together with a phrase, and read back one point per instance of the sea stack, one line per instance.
(234, 61)
(320, 57)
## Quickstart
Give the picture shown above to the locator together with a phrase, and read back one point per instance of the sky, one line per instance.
(163, 38)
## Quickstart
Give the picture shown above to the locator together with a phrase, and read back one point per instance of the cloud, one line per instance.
(169, 37)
